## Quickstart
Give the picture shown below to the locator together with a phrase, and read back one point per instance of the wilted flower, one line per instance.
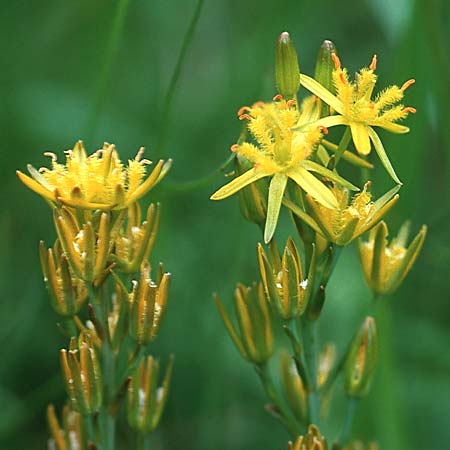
(386, 266)
(97, 181)
(146, 399)
(355, 107)
(281, 153)
(255, 340)
(82, 375)
(313, 440)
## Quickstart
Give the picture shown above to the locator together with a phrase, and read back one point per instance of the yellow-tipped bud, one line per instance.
(287, 71)
(313, 440)
(67, 293)
(87, 249)
(252, 198)
(68, 435)
(82, 375)
(147, 305)
(352, 218)
(146, 399)
(385, 266)
(361, 360)
(294, 388)
(134, 243)
(254, 340)
(285, 287)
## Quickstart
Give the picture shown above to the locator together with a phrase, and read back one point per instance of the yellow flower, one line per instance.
(313, 440)
(281, 153)
(356, 109)
(386, 266)
(352, 218)
(98, 181)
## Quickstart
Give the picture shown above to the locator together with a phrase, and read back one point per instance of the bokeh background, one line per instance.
(101, 71)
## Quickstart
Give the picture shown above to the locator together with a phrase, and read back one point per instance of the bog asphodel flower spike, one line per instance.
(98, 181)
(281, 153)
(356, 109)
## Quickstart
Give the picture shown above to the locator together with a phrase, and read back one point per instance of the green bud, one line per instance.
(361, 359)
(252, 198)
(287, 71)
(146, 400)
(254, 340)
(70, 433)
(324, 72)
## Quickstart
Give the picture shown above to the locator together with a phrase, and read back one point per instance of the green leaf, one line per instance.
(276, 192)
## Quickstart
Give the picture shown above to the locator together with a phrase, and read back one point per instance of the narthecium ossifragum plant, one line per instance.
(110, 300)
(287, 160)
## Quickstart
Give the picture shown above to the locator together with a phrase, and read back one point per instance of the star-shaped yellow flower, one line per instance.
(98, 181)
(356, 109)
(281, 153)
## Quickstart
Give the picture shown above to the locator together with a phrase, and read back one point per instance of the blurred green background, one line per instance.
(100, 71)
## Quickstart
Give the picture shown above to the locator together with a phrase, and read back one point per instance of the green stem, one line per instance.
(176, 75)
(348, 421)
(281, 414)
(310, 351)
(343, 144)
(105, 71)
(89, 422)
(142, 441)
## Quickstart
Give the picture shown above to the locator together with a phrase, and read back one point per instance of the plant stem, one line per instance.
(141, 441)
(88, 420)
(348, 421)
(309, 342)
(343, 144)
(281, 414)
(176, 75)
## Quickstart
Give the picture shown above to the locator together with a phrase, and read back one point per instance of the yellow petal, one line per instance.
(395, 128)
(35, 186)
(324, 94)
(276, 192)
(238, 183)
(382, 155)
(360, 137)
(311, 185)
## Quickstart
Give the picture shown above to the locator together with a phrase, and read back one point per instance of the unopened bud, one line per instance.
(313, 440)
(287, 71)
(361, 360)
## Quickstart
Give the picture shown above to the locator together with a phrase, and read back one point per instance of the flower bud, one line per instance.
(254, 339)
(147, 305)
(82, 375)
(386, 266)
(70, 434)
(287, 71)
(283, 281)
(134, 244)
(293, 386)
(313, 440)
(86, 249)
(67, 293)
(146, 399)
(325, 66)
(361, 360)
(252, 198)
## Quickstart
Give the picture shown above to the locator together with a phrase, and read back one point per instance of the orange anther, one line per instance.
(342, 77)
(323, 129)
(243, 109)
(255, 167)
(291, 102)
(373, 64)
(409, 109)
(407, 84)
(258, 104)
(277, 97)
(234, 148)
(245, 116)
(336, 60)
